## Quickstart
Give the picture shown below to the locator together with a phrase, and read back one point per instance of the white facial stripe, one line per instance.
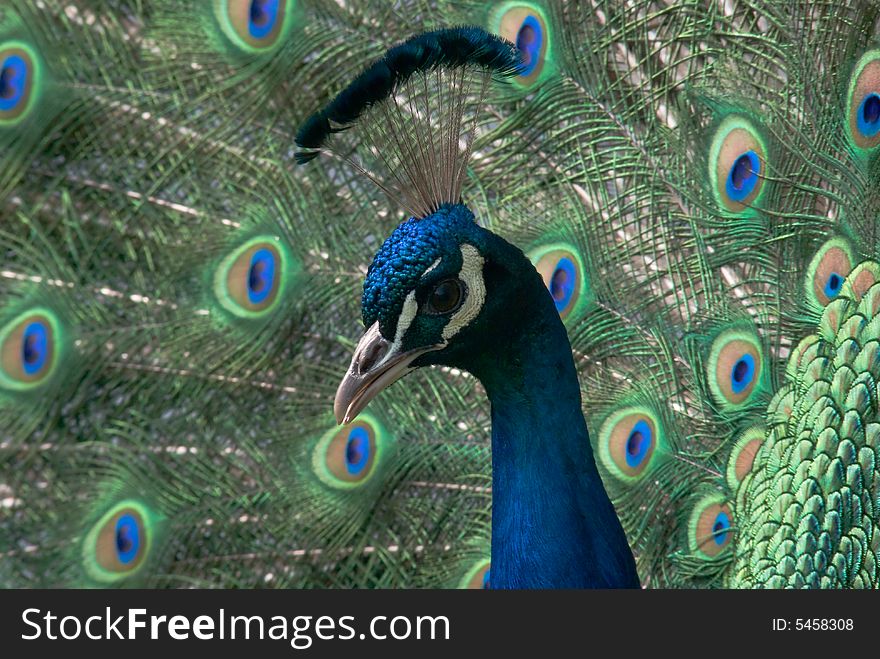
(432, 266)
(409, 311)
(410, 308)
(472, 275)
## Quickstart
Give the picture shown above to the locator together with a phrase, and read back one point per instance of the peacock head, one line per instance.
(432, 292)
(433, 285)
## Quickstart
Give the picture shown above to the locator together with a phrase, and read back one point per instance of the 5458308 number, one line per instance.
(823, 624)
(813, 624)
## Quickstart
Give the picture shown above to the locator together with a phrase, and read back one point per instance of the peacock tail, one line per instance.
(695, 182)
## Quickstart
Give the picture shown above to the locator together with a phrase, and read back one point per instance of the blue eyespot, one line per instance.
(525, 25)
(254, 26)
(128, 539)
(563, 283)
(118, 544)
(262, 18)
(529, 40)
(833, 285)
(261, 276)
(742, 373)
(29, 349)
(357, 450)
(743, 176)
(638, 443)
(710, 526)
(869, 115)
(251, 279)
(628, 442)
(486, 579)
(350, 456)
(563, 273)
(720, 528)
(13, 82)
(34, 348)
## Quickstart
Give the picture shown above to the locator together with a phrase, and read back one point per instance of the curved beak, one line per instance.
(376, 363)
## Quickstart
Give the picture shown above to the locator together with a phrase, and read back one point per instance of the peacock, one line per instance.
(623, 251)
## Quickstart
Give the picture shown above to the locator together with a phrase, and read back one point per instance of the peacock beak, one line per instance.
(376, 364)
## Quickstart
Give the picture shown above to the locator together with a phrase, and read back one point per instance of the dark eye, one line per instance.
(446, 296)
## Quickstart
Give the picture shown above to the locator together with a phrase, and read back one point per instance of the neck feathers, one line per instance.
(553, 525)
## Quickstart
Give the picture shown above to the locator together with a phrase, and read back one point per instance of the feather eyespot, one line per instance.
(17, 81)
(254, 25)
(478, 577)
(863, 103)
(358, 451)
(828, 271)
(710, 529)
(736, 164)
(735, 367)
(348, 457)
(742, 457)
(627, 442)
(28, 350)
(249, 280)
(563, 275)
(525, 26)
(117, 546)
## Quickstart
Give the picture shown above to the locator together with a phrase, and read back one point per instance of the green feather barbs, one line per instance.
(117, 546)
(28, 350)
(254, 25)
(19, 81)
(628, 442)
(863, 102)
(526, 26)
(737, 164)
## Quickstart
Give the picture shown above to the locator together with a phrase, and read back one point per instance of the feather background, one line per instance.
(147, 153)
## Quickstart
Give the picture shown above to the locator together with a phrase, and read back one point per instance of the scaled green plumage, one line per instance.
(156, 149)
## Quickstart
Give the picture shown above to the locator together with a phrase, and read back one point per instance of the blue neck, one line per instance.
(553, 525)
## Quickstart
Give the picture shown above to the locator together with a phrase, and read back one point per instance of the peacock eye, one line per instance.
(525, 25)
(18, 76)
(446, 297)
(629, 441)
(737, 164)
(28, 350)
(119, 543)
(349, 457)
(250, 280)
(828, 271)
(735, 367)
(254, 25)
(863, 104)
(711, 526)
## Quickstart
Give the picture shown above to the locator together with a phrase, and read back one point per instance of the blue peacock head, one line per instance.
(433, 289)
(428, 291)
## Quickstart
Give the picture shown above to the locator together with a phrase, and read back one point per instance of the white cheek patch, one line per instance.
(409, 311)
(472, 275)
